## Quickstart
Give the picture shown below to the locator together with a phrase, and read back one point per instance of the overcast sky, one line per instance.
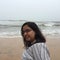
(30, 10)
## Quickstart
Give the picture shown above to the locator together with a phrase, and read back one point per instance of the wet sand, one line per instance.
(12, 48)
(53, 43)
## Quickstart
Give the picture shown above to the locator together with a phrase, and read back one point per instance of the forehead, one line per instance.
(26, 27)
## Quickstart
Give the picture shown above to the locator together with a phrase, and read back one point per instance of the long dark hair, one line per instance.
(39, 36)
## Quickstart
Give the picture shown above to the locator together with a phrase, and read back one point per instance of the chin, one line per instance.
(28, 39)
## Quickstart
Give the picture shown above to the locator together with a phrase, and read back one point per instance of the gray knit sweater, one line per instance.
(37, 51)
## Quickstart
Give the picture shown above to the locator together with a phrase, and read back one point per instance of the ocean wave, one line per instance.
(10, 36)
(49, 24)
(18, 23)
(1, 26)
(12, 28)
(51, 32)
(11, 22)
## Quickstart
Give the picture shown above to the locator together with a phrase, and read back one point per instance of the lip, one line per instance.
(27, 38)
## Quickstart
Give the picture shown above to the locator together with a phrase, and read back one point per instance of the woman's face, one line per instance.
(28, 33)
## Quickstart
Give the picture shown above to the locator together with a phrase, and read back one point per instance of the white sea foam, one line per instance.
(11, 28)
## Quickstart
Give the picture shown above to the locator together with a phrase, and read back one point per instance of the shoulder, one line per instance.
(38, 45)
(39, 50)
(26, 55)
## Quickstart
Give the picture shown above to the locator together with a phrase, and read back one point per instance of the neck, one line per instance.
(33, 42)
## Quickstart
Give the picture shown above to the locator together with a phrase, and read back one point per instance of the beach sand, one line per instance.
(12, 48)
(53, 43)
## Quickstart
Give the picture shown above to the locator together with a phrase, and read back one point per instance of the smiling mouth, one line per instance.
(27, 38)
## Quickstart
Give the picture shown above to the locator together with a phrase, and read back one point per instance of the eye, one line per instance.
(27, 30)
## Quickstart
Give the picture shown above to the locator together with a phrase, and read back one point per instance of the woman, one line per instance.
(34, 41)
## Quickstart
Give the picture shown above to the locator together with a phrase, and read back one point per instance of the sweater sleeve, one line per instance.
(26, 56)
(40, 52)
(45, 55)
(37, 51)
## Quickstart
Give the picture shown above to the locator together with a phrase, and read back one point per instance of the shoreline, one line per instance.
(19, 36)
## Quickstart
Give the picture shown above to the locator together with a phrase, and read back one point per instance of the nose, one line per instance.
(25, 33)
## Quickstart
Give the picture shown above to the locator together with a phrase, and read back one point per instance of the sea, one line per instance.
(12, 28)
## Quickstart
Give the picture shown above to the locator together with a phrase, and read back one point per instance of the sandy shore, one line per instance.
(12, 48)
(53, 43)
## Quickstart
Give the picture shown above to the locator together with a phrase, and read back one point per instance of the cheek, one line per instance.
(33, 35)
